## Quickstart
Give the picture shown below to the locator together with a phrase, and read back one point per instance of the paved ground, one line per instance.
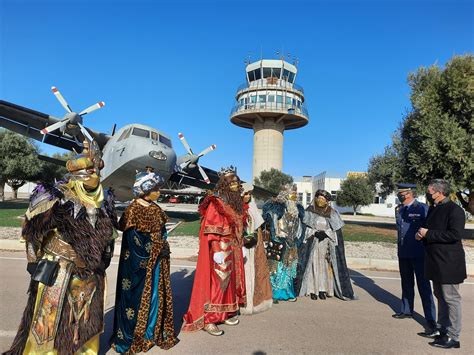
(305, 327)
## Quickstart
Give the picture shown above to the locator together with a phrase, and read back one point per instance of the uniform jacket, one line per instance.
(409, 219)
(444, 255)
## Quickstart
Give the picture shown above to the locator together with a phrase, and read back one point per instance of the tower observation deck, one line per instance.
(269, 103)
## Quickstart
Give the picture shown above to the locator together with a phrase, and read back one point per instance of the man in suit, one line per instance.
(410, 215)
(445, 262)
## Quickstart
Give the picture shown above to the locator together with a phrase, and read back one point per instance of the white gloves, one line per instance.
(219, 257)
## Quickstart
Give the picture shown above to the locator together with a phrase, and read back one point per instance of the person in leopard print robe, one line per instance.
(144, 304)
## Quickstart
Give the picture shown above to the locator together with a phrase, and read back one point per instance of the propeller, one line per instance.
(71, 117)
(193, 159)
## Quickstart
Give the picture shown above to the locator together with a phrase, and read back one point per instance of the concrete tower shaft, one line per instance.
(267, 146)
(269, 103)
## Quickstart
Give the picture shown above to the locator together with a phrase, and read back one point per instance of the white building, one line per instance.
(23, 192)
(308, 185)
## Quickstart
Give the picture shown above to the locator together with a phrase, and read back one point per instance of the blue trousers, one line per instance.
(409, 268)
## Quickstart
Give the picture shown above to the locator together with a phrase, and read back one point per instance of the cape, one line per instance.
(50, 212)
(277, 209)
(217, 218)
(143, 283)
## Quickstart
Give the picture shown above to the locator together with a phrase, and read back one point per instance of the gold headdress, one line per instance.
(231, 170)
(90, 158)
(84, 180)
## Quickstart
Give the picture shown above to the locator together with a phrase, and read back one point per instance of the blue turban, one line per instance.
(146, 182)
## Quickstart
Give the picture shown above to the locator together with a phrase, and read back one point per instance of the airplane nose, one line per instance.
(158, 155)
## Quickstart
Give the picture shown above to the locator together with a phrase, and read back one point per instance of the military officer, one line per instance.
(410, 215)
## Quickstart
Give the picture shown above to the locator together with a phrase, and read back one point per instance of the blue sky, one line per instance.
(176, 65)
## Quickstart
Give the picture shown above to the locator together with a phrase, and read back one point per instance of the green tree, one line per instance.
(356, 191)
(51, 172)
(385, 169)
(437, 132)
(273, 180)
(18, 161)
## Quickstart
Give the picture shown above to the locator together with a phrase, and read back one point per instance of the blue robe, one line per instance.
(143, 273)
(283, 273)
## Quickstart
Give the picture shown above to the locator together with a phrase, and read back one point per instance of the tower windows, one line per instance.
(258, 74)
(291, 78)
(251, 75)
(267, 72)
(276, 72)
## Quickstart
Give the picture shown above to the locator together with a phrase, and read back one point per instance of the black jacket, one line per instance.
(444, 255)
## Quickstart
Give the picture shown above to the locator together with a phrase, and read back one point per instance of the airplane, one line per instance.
(131, 148)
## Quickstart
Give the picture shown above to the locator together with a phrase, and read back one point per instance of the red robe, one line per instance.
(219, 289)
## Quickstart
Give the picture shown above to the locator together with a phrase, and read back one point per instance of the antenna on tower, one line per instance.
(281, 54)
(295, 61)
(247, 60)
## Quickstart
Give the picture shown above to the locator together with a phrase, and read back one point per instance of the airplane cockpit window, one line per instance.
(141, 132)
(165, 141)
(124, 135)
(154, 136)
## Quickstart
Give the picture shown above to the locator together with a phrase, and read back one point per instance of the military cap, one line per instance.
(406, 187)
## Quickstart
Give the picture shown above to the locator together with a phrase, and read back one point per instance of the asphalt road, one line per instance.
(305, 327)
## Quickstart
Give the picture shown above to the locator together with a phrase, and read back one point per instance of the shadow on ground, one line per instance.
(381, 295)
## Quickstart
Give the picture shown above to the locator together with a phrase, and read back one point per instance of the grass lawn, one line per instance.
(352, 232)
(363, 233)
(187, 228)
(9, 213)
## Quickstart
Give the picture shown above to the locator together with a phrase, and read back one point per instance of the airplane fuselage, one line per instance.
(133, 148)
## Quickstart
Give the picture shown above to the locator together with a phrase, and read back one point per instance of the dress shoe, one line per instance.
(446, 342)
(313, 296)
(292, 299)
(275, 301)
(232, 321)
(322, 295)
(430, 333)
(402, 315)
(213, 329)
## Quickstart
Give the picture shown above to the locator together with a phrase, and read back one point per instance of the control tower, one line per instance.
(269, 103)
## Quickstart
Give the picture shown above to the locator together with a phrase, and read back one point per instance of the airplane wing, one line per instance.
(29, 123)
(194, 178)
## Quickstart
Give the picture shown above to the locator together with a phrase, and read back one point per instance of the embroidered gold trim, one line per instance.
(223, 274)
(224, 245)
(209, 229)
(218, 308)
(41, 208)
(198, 324)
(224, 266)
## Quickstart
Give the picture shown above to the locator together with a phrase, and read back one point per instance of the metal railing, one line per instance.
(277, 85)
(271, 106)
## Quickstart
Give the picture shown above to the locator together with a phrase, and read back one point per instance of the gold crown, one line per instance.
(231, 170)
(89, 158)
